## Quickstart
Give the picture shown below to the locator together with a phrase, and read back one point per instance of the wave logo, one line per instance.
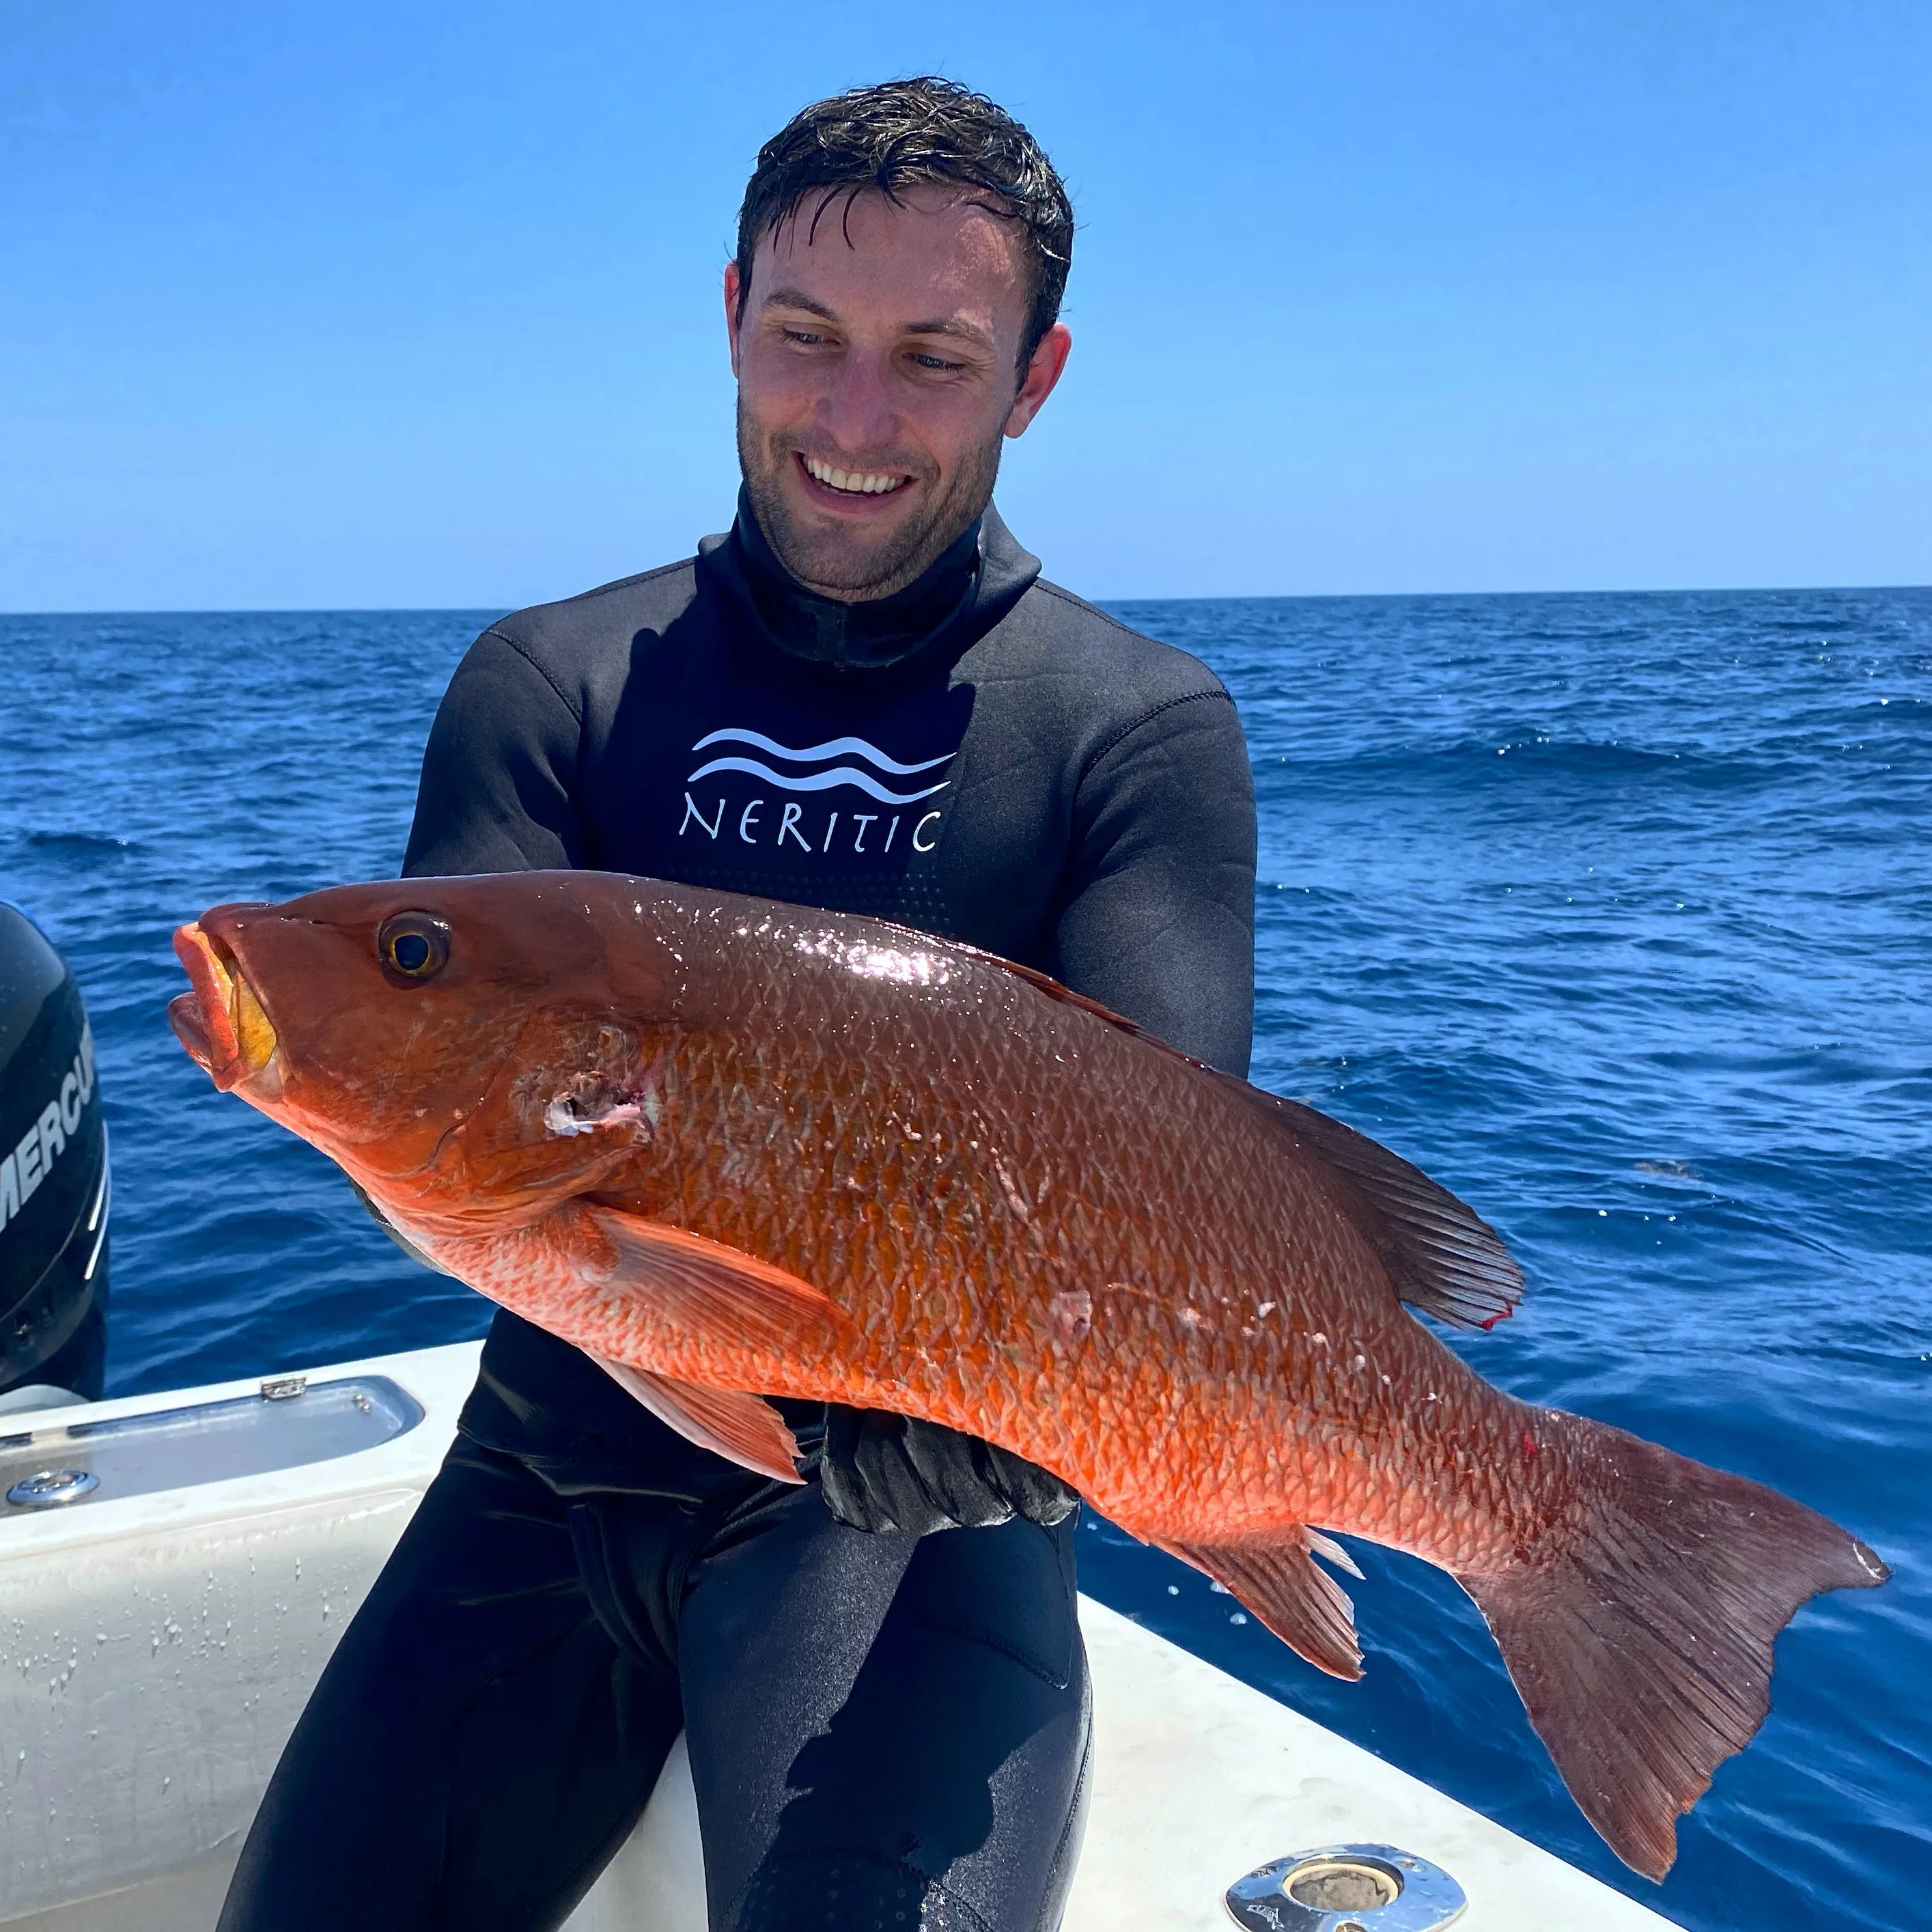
(872, 781)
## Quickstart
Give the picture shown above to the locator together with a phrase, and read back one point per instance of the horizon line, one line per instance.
(1235, 597)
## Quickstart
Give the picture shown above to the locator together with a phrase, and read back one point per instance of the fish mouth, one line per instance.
(221, 1022)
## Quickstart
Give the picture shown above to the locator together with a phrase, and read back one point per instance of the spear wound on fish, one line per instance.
(589, 1100)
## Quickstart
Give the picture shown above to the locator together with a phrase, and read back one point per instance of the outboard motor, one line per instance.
(53, 1177)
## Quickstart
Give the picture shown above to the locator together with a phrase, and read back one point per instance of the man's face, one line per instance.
(877, 367)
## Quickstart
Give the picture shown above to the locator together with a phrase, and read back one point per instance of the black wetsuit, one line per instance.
(885, 1729)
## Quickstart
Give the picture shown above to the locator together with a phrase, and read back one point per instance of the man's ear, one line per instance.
(731, 293)
(1048, 361)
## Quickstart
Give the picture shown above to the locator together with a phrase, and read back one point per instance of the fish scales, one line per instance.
(1162, 1145)
(743, 1150)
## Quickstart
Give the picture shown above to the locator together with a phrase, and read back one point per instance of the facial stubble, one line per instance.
(845, 566)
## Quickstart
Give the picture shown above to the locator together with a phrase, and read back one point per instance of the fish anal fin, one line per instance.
(702, 1284)
(743, 1428)
(1640, 1635)
(1282, 1584)
(1330, 1551)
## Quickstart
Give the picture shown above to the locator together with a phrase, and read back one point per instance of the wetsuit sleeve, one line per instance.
(1158, 915)
(499, 772)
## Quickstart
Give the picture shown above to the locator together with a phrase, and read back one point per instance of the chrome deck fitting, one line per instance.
(1346, 1889)
(48, 1489)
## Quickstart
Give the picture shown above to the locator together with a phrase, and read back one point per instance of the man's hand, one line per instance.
(883, 1471)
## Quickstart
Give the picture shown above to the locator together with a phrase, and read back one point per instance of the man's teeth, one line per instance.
(860, 483)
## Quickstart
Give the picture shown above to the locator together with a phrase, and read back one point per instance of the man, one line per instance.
(862, 697)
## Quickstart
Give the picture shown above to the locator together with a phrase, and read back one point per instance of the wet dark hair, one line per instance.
(896, 135)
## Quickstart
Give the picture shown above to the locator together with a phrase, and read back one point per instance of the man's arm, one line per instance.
(1158, 918)
(499, 772)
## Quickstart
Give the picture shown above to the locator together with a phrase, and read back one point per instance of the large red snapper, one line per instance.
(737, 1149)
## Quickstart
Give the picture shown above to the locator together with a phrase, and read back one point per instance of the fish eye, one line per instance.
(413, 946)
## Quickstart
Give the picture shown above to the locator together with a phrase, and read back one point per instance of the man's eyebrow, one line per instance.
(947, 325)
(963, 332)
(798, 298)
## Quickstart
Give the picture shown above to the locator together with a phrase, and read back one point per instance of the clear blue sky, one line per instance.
(361, 304)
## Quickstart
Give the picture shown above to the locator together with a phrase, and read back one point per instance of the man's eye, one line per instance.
(938, 362)
(804, 337)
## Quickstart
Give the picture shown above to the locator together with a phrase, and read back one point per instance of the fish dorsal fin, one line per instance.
(703, 1285)
(743, 1428)
(1283, 1585)
(1046, 983)
(1441, 1256)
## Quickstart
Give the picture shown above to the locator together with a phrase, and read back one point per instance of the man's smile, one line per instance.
(849, 483)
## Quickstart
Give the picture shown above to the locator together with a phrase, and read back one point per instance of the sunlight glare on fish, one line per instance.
(901, 966)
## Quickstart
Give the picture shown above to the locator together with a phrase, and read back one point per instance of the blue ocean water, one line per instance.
(1614, 912)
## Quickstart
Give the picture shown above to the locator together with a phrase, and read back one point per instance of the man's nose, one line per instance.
(855, 408)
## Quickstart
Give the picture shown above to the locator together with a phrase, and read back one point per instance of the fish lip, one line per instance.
(200, 1018)
(185, 1016)
(221, 1022)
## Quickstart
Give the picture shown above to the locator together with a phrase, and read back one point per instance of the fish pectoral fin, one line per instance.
(701, 1284)
(743, 1428)
(1283, 1585)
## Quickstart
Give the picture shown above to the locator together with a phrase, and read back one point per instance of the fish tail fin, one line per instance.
(1639, 1630)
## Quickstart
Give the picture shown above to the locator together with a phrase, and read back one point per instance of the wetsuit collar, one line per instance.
(966, 590)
